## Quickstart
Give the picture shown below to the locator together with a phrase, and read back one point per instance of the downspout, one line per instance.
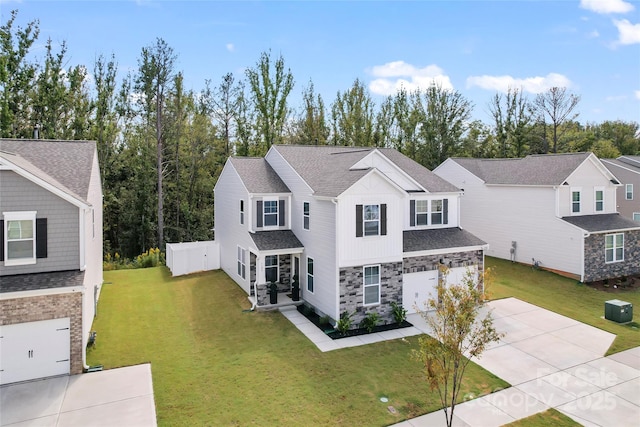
(255, 284)
(584, 237)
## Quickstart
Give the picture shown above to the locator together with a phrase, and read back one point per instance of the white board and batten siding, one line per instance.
(190, 257)
(500, 215)
(34, 350)
(366, 250)
(229, 233)
(319, 241)
(586, 179)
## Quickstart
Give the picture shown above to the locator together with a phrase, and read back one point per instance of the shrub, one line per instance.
(344, 324)
(399, 312)
(370, 321)
(151, 258)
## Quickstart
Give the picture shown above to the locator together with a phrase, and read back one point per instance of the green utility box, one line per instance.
(618, 311)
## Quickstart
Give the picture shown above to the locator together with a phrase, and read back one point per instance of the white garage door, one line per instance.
(34, 350)
(417, 288)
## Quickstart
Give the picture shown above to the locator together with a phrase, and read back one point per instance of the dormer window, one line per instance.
(270, 213)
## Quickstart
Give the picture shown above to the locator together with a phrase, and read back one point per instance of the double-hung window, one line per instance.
(599, 197)
(271, 268)
(310, 274)
(614, 247)
(270, 213)
(242, 269)
(575, 201)
(371, 220)
(305, 215)
(436, 212)
(241, 212)
(20, 238)
(422, 212)
(371, 284)
(628, 190)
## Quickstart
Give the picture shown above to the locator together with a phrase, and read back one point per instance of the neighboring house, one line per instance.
(627, 170)
(558, 209)
(361, 227)
(50, 256)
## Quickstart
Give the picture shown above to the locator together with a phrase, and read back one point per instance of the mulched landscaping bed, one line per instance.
(619, 285)
(335, 334)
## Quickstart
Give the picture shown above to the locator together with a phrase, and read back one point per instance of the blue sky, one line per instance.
(476, 47)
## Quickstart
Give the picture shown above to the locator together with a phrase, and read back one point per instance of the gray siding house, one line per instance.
(627, 170)
(361, 227)
(50, 255)
(558, 210)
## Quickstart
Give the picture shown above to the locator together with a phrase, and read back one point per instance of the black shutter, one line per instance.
(281, 213)
(1, 240)
(259, 213)
(445, 211)
(412, 212)
(41, 237)
(358, 220)
(383, 220)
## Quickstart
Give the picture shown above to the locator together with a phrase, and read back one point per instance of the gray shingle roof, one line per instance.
(630, 160)
(441, 238)
(326, 168)
(275, 240)
(602, 223)
(627, 162)
(258, 176)
(539, 169)
(69, 163)
(28, 282)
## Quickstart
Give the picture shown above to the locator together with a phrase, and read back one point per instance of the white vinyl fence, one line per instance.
(185, 258)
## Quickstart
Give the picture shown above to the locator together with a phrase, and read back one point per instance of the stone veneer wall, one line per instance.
(452, 260)
(352, 292)
(595, 267)
(284, 269)
(48, 307)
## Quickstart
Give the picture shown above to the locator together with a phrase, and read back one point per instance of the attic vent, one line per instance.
(565, 183)
(614, 182)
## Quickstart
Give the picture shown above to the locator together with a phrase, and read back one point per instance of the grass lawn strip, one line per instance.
(213, 363)
(564, 296)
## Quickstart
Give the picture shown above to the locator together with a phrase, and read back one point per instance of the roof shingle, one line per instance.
(258, 176)
(440, 238)
(602, 222)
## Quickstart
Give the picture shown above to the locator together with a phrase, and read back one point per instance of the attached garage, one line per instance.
(417, 288)
(34, 350)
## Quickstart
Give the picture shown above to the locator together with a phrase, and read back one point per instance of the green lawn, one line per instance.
(547, 418)
(214, 363)
(564, 296)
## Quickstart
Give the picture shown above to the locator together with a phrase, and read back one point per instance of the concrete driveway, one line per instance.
(117, 397)
(551, 361)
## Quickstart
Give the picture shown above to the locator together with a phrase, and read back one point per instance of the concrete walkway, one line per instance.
(115, 397)
(550, 360)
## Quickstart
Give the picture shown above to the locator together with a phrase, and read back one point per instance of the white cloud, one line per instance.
(628, 33)
(528, 84)
(606, 6)
(395, 75)
(230, 47)
(637, 93)
(593, 34)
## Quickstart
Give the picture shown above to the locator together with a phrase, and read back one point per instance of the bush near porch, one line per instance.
(214, 363)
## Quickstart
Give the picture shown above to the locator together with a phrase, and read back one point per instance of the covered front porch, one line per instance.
(274, 265)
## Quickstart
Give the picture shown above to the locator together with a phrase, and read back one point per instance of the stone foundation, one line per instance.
(48, 307)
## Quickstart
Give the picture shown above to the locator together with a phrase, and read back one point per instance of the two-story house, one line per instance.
(50, 256)
(627, 170)
(361, 227)
(558, 209)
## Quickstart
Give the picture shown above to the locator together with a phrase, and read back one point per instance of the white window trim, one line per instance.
(364, 220)
(241, 211)
(595, 199)
(264, 213)
(441, 212)
(633, 216)
(308, 216)
(426, 213)
(19, 216)
(277, 267)
(579, 191)
(364, 285)
(310, 274)
(241, 262)
(626, 192)
(614, 260)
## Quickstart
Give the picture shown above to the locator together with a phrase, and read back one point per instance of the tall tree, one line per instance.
(512, 115)
(459, 332)
(352, 115)
(557, 105)
(408, 113)
(311, 127)
(270, 86)
(105, 124)
(224, 107)
(17, 76)
(155, 77)
(447, 114)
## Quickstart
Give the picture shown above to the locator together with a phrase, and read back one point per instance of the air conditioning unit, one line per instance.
(618, 311)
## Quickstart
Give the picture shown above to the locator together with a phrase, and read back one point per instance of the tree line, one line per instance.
(161, 147)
